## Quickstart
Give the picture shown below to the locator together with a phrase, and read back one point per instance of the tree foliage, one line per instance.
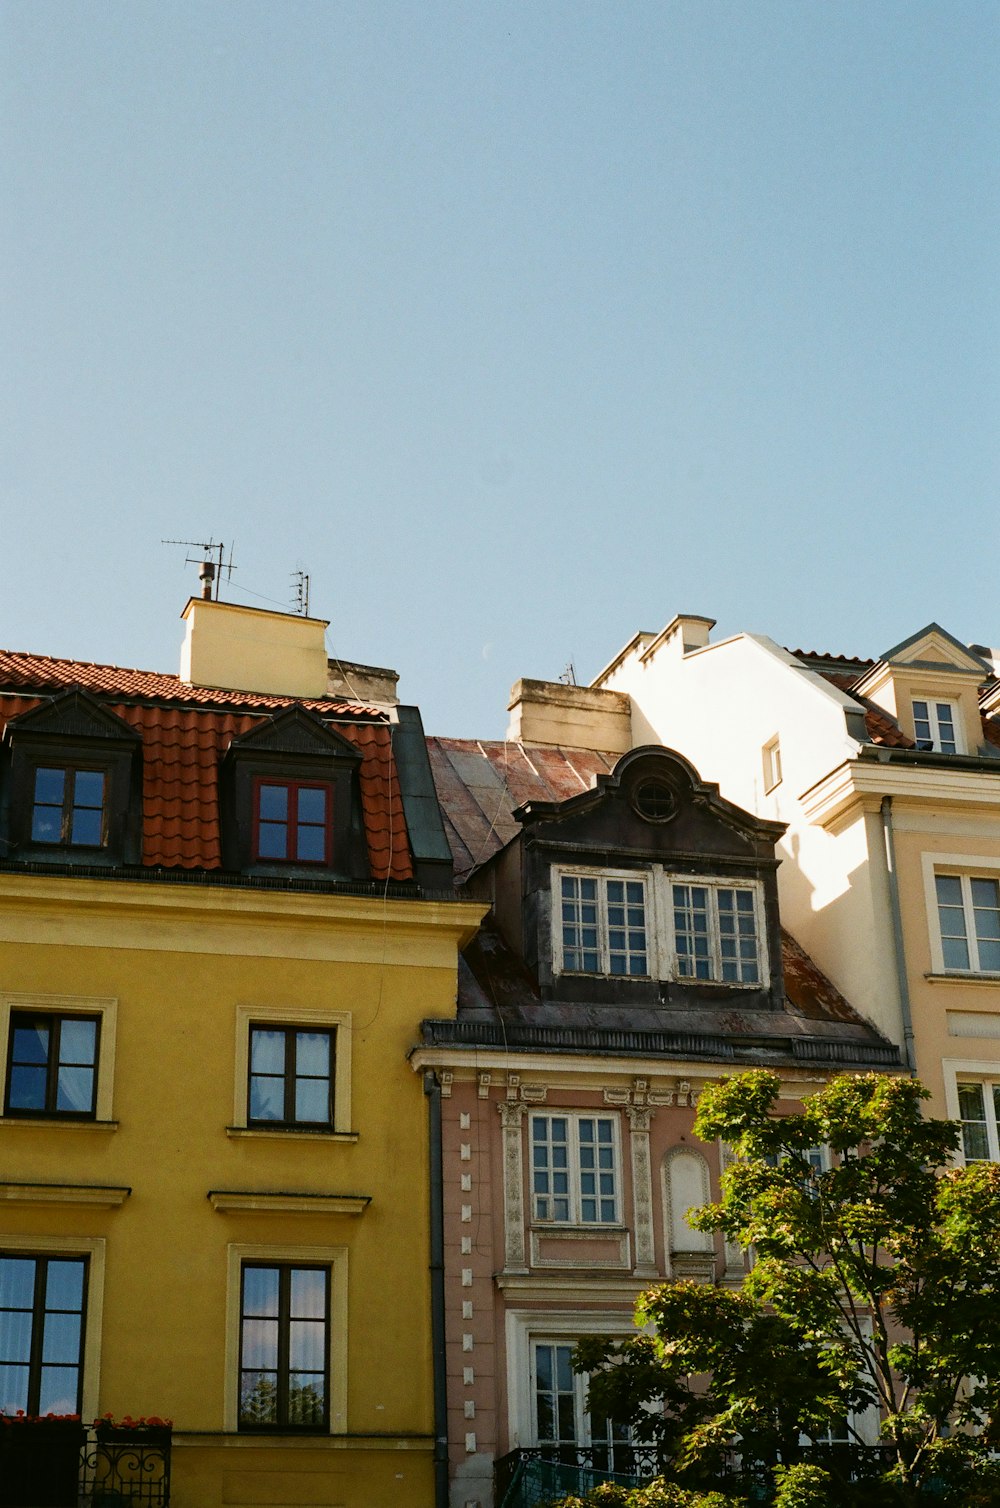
(875, 1284)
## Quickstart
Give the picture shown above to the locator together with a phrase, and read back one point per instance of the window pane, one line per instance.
(273, 803)
(260, 1290)
(31, 1044)
(306, 1399)
(312, 1053)
(59, 1390)
(312, 805)
(272, 840)
(267, 1051)
(259, 1398)
(15, 1335)
(305, 1345)
(88, 788)
(64, 1284)
(267, 1099)
(17, 1283)
(87, 827)
(307, 1293)
(260, 1343)
(27, 1088)
(13, 1389)
(312, 1101)
(77, 1041)
(75, 1089)
(50, 787)
(310, 846)
(61, 1338)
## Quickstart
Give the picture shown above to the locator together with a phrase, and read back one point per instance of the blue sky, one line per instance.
(520, 327)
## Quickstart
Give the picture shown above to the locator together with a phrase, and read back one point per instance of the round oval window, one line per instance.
(654, 800)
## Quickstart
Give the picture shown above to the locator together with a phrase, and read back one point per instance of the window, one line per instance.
(291, 1076)
(771, 757)
(42, 1308)
(574, 1161)
(561, 1418)
(979, 1113)
(57, 1055)
(604, 925)
(292, 821)
(52, 1064)
(969, 918)
(68, 807)
(934, 726)
(284, 1347)
(715, 933)
(709, 931)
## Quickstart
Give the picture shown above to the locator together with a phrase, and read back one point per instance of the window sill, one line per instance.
(957, 977)
(290, 1133)
(56, 1123)
(572, 1230)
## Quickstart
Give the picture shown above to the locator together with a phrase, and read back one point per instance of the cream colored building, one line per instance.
(887, 774)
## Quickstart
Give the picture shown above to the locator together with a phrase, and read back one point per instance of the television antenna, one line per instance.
(210, 574)
(300, 592)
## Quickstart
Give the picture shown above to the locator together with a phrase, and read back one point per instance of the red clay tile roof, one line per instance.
(479, 785)
(43, 673)
(185, 732)
(882, 729)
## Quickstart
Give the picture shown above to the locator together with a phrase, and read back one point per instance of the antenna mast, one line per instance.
(210, 574)
(300, 599)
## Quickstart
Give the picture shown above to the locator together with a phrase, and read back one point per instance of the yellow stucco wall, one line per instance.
(181, 961)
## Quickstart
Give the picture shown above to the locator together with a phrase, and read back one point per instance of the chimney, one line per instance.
(573, 717)
(250, 649)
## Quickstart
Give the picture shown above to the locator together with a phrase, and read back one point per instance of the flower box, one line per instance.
(40, 1462)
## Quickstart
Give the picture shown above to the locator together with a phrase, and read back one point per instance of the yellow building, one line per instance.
(225, 907)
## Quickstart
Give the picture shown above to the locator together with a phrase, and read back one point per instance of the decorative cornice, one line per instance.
(234, 1201)
(103, 1196)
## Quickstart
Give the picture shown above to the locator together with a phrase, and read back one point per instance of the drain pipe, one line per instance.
(909, 1056)
(432, 1089)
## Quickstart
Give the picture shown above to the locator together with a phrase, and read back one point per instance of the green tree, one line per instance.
(875, 1281)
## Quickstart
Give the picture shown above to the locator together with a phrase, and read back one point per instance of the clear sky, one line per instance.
(519, 326)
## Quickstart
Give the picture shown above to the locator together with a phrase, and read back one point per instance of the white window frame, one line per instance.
(661, 946)
(964, 867)
(93, 1249)
(985, 1073)
(771, 760)
(713, 885)
(932, 703)
(524, 1327)
(602, 877)
(575, 1195)
(285, 1016)
(12, 1002)
(332, 1257)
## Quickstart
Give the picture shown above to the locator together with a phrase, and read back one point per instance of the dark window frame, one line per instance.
(283, 1368)
(292, 785)
(290, 1122)
(54, 1021)
(70, 771)
(36, 1361)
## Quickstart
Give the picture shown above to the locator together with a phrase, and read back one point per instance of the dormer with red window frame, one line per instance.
(291, 802)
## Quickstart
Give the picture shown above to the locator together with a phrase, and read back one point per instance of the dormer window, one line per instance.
(68, 806)
(291, 803)
(653, 924)
(935, 726)
(604, 925)
(73, 776)
(293, 821)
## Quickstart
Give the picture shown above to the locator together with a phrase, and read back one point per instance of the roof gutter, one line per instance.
(902, 982)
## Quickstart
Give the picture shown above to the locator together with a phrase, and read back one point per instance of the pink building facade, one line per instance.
(633, 955)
